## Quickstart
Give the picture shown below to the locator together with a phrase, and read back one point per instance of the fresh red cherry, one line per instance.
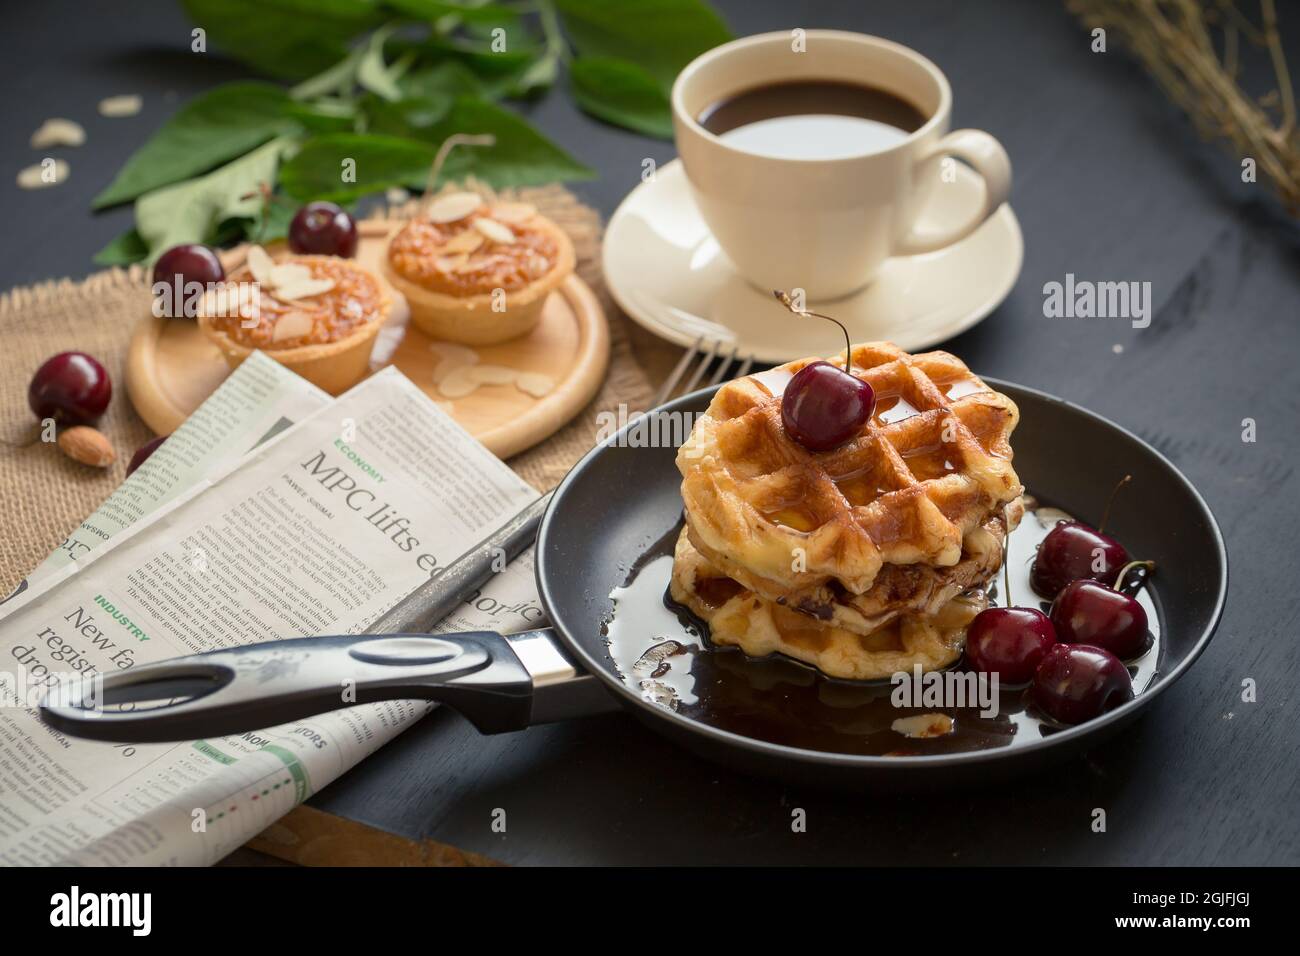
(1010, 642)
(824, 406)
(191, 262)
(71, 387)
(322, 228)
(179, 266)
(1087, 612)
(1072, 551)
(1077, 682)
(143, 452)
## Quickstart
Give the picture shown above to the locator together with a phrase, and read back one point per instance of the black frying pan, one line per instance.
(607, 512)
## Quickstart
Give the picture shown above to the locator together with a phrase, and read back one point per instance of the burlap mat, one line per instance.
(44, 494)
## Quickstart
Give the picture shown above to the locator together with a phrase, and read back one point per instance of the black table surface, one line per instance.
(1110, 184)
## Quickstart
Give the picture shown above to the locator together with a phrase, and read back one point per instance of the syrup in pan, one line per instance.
(663, 652)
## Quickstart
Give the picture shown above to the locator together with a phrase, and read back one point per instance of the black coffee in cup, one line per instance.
(812, 119)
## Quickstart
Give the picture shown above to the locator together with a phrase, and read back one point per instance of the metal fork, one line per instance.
(706, 350)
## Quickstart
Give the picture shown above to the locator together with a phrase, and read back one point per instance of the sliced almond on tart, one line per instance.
(288, 273)
(513, 212)
(304, 289)
(450, 264)
(291, 325)
(495, 231)
(452, 206)
(466, 241)
(261, 265)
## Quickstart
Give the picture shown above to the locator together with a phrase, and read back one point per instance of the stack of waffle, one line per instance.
(864, 560)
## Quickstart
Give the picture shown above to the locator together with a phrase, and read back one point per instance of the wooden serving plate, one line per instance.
(171, 367)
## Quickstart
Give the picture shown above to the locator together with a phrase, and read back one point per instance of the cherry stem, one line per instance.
(1119, 578)
(1006, 557)
(785, 299)
(448, 144)
(1105, 515)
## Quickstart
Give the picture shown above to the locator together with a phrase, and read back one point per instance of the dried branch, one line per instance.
(1174, 40)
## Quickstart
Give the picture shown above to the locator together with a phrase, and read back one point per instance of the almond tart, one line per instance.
(317, 315)
(478, 272)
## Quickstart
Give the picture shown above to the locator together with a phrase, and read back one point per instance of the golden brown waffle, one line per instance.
(927, 470)
(842, 645)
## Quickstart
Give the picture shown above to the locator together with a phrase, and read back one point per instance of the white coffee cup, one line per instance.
(826, 225)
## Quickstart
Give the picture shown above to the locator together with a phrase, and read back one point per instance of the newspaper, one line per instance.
(256, 402)
(318, 530)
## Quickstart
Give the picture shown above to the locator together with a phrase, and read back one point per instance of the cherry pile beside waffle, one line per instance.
(863, 555)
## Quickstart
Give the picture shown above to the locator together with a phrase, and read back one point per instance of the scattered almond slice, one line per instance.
(444, 368)
(396, 196)
(453, 206)
(452, 356)
(463, 354)
(466, 241)
(466, 264)
(288, 273)
(535, 384)
(450, 264)
(458, 383)
(492, 374)
(303, 290)
(34, 177)
(291, 325)
(513, 212)
(923, 725)
(495, 231)
(117, 106)
(261, 265)
(58, 132)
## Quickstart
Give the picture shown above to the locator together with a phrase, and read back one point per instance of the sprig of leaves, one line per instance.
(378, 85)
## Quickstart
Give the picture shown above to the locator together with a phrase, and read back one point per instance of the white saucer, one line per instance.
(666, 271)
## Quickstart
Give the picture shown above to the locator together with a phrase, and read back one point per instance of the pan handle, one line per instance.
(499, 684)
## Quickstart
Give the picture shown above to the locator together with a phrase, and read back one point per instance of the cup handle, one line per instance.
(986, 156)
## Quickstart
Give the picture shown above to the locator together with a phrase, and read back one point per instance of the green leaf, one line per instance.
(622, 93)
(290, 39)
(521, 157)
(407, 116)
(432, 10)
(448, 77)
(373, 73)
(127, 248)
(380, 162)
(660, 36)
(191, 211)
(479, 56)
(324, 115)
(206, 132)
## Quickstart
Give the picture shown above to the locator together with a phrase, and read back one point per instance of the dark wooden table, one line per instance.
(1110, 184)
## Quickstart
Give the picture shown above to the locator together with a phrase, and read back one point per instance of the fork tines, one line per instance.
(705, 352)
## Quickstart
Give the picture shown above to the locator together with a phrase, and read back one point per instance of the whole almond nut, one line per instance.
(86, 445)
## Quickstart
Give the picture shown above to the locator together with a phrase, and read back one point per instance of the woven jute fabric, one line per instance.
(44, 495)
